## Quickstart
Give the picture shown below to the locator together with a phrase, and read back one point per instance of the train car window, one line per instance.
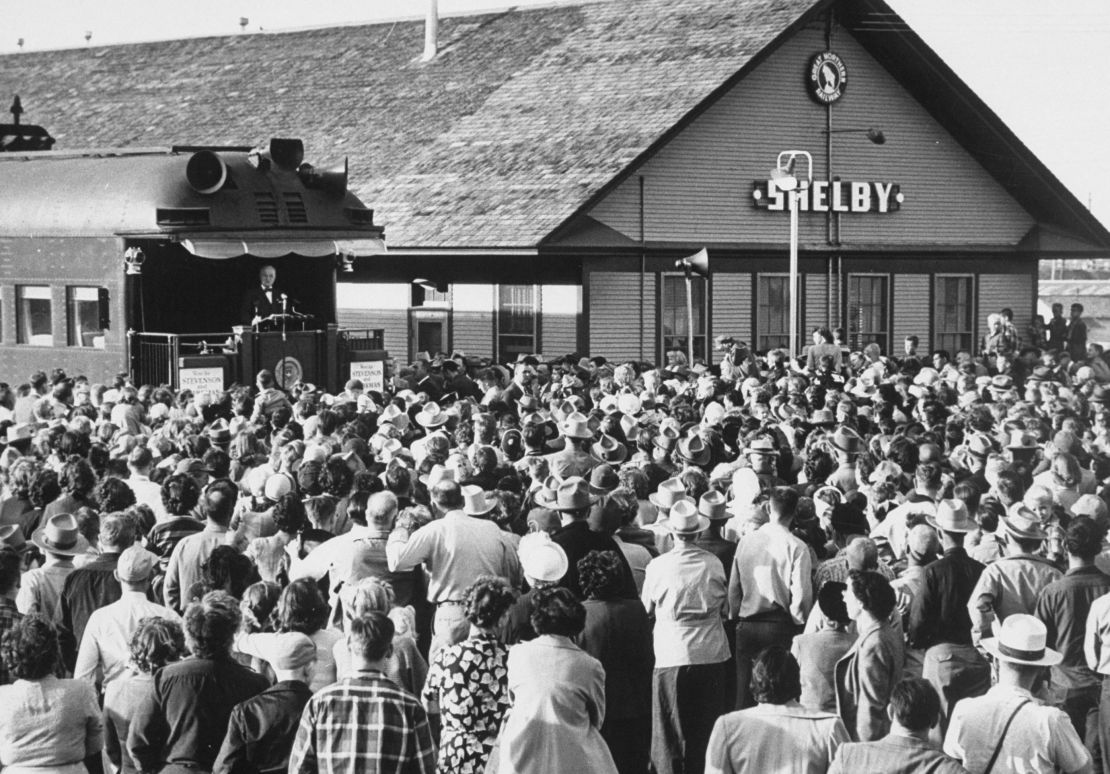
(33, 315)
(84, 317)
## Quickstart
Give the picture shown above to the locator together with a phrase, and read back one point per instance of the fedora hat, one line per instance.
(712, 505)
(692, 449)
(822, 418)
(11, 535)
(952, 516)
(603, 479)
(1022, 441)
(761, 445)
(668, 436)
(847, 440)
(432, 415)
(476, 502)
(1021, 639)
(436, 474)
(979, 445)
(576, 425)
(684, 519)
(669, 493)
(20, 431)
(1022, 523)
(713, 413)
(219, 432)
(528, 404)
(609, 404)
(571, 494)
(393, 415)
(609, 449)
(60, 535)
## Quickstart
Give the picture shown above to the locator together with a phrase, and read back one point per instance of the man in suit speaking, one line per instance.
(264, 299)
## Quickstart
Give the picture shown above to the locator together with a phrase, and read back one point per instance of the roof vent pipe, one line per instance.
(431, 31)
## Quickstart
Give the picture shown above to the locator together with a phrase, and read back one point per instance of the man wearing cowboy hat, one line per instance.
(939, 620)
(847, 446)
(573, 498)
(574, 459)
(686, 590)
(1008, 726)
(456, 550)
(1013, 583)
(763, 457)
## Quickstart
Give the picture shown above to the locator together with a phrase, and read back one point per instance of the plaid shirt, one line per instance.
(9, 617)
(363, 725)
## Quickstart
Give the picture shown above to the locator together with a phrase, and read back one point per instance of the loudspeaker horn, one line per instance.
(206, 172)
(332, 180)
(698, 263)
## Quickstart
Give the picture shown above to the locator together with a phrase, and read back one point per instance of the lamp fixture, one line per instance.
(133, 259)
(876, 136)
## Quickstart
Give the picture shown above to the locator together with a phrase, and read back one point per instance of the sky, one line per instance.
(1043, 67)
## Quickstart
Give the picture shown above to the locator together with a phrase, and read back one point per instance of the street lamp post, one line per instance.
(784, 177)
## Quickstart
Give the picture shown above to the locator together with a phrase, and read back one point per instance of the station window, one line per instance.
(83, 317)
(516, 321)
(868, 311)
(953, 313)
(33, 315)
(675, 334)
(772, 318)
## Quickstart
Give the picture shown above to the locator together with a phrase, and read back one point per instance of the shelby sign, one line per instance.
(831, 196)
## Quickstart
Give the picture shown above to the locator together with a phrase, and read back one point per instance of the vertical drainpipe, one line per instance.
(431, 32)
(828, 177)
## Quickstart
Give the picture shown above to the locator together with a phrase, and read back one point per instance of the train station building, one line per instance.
(539, 172)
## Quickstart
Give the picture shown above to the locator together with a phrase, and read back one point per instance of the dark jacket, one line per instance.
(618, 634)
(261, 730)
(254, 302)
(86, 589)
(184, 718)
(577, 540)
(939, 611)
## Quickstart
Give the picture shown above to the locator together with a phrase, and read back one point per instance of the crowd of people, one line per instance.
(848, 561)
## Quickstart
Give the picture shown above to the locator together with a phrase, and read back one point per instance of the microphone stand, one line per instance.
(284, 354)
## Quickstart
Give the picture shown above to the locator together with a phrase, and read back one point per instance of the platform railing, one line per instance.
(155, 357)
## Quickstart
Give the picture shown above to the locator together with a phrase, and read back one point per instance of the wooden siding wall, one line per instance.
(560, 306)
(394, 323)
(997, 291)
(614, 316)
(911, 299)
(697, 188)
(815, 300)
(732, 306)
(472, 319)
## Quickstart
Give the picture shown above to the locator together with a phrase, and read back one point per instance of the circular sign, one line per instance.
(288, 371)
(828, 77)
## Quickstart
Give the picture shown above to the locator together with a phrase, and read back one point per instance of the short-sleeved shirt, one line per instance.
(1040, 739)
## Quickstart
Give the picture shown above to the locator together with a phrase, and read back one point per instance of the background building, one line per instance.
(547, 166)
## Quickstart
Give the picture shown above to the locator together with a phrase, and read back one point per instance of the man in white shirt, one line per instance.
(770, 588)
(1008, 726)
(106, 644)
(140, 462)
(456, 550)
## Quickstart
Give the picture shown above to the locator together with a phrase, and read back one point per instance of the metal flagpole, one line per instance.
(689, 318)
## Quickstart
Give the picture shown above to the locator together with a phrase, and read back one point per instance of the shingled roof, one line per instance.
(522, 117)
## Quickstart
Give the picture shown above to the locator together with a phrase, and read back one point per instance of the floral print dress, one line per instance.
(469, 681)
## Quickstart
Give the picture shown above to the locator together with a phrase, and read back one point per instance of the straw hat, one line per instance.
(432, 415)
(684, 519)
(1022, 523)
(60, 535)
(576, 425)
(952, 516)
(476, 502)
(436, 474)
(1021, 639)
(669, 493)
(764, 446)
(542, 559)
(712, 506)
(570, 495)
